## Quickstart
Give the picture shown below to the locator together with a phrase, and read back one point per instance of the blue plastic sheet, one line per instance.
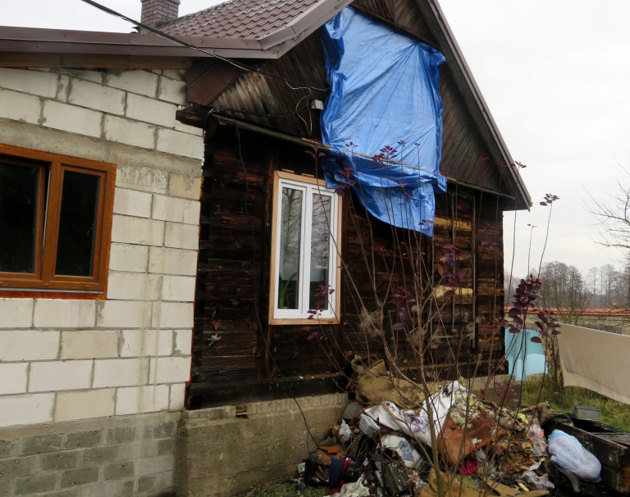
(384, 103)
(525, 358)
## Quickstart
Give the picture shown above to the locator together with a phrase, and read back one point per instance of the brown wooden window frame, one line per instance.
(49, 194)
(312, 184)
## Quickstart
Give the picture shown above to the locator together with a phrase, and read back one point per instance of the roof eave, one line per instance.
(471, 93)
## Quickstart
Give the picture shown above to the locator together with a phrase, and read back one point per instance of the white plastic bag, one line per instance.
(409, 455)
(416, 423)
(568, 453)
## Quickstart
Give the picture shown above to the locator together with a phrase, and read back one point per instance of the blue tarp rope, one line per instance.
(383, 120)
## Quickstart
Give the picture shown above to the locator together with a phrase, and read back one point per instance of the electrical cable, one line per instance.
(239, 65)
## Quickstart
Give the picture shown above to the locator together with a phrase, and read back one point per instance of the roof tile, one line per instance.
(246, 19)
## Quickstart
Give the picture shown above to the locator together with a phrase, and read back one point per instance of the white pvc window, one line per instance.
(304, 276)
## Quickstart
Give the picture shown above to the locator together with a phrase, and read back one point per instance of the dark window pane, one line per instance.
(290, 236)
(77, 224)
(18, 217)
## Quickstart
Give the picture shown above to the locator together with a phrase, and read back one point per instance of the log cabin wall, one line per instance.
(238, 355)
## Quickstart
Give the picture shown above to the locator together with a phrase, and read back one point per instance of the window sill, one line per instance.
(51, 294)
(303, 321)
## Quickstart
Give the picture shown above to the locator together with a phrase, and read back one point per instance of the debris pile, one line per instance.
(398, 439)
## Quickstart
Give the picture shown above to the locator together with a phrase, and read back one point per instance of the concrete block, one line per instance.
(176, 74)
(169, 370)
(124, 257)
(178, 143)
(36, 484)
(176, 210)
(43, 84)
(183, 342)
(27, 345)
(89, 344)
(166, 446)
(178, 288)
(41, 444)
(9, 448)
(26, 409)
(185, 186)
(150, 110)
(120, 372)
(142, 82)
(172, 90)
(63, 88)
(149, 484)
(118, 470)
(123, 314)
(93, 76)
(137, 230)
(83, 439)
(13, 378)
(111, 488)
(133, 286)
(142, 399)
(17, 467)
(134, 133)
(96, 96)
(185, 128)
(172, 261)
(71, 118)
(177, 396)
(122, 434)
(172, 315)
(84, 404)
(58, 461)
(153, 465)
(144, 343)
(142, 178)
(132, 203)
(16, 313)
(79, 476)
(100, 455)
(163, 429)
(59, 375)
(19, 106)
(184, 236)
(59, 313)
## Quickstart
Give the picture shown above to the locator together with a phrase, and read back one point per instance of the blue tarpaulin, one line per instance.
(384, 102)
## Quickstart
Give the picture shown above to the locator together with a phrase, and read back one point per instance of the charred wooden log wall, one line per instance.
(234, 347)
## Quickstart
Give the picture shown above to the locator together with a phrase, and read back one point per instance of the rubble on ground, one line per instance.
(389, 437)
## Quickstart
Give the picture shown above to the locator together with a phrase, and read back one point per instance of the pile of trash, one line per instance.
(395, 440)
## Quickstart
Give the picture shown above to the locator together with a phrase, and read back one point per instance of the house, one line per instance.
(142, 199)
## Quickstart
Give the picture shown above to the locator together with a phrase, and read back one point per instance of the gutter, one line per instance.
(305, 142)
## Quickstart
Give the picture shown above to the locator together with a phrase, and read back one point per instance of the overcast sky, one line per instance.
(555, 76)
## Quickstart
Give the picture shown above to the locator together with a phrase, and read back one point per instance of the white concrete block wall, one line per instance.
(68, 359)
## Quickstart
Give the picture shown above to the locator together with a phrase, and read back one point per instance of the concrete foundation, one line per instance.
(122, 456)
(225, 450)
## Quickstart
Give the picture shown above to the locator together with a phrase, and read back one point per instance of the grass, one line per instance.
(610, 411)
(284, 489)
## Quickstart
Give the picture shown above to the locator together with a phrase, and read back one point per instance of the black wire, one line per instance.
(239, 65)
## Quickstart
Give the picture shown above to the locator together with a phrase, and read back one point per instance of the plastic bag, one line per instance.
(345, 433)
(409, 455)
(568, 453)
(537, 437)
(415, 423)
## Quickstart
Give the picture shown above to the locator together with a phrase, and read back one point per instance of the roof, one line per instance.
(251, 29)
(245, 19)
